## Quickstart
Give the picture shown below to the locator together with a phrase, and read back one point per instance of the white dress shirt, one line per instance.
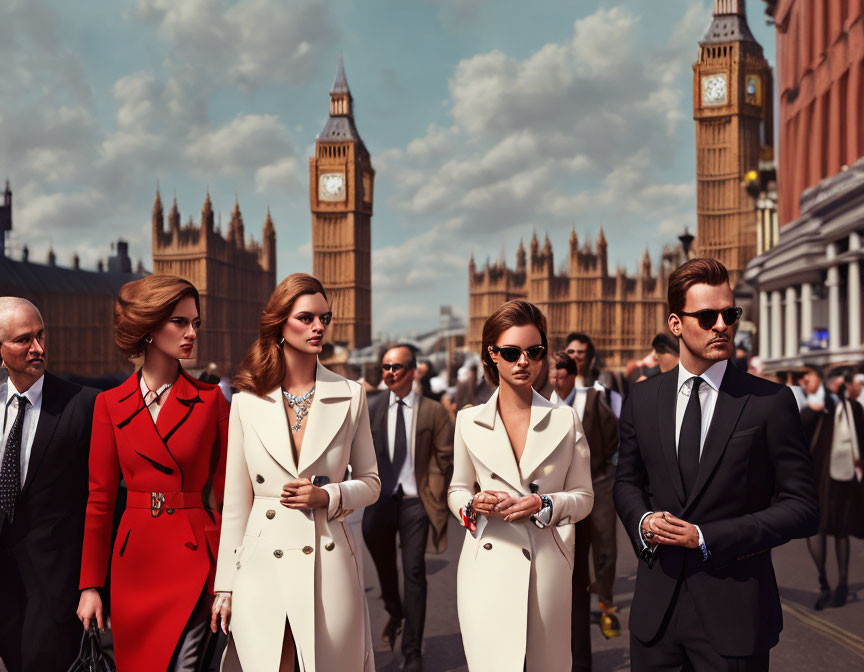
(708, 390)
(31, 419)
(161, 395)
(406, 477)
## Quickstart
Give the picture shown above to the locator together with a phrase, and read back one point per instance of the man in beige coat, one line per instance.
(413, 439)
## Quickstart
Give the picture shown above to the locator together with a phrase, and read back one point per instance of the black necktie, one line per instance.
(690, 438)
(10, 471)
(400, 443)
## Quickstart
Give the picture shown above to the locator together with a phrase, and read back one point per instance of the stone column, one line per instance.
(791, 322)
(806, 312)
(833, 283)
(776, 325)
(853, 297)
(764, 326)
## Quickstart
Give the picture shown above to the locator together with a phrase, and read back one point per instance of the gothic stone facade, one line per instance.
(234, 278)
(621, 313)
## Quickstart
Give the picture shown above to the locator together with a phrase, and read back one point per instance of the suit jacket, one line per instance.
(754, 491)
(516, 568)
(160, 564)
(43, 543)
(432, 447)
(301, 564)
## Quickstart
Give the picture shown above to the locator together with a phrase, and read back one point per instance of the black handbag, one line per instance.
(91, 658)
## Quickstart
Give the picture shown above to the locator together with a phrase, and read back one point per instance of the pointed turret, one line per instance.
(472, 265)
(268, 243)
(52, 258)
(602, 247)
(341, 99)
(646, 264)
(521, 258)
(207, 216)
(174, 218)
(601, 239)
(158, 214)
(236, 231)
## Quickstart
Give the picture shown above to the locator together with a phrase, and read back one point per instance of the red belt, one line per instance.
(158, 502)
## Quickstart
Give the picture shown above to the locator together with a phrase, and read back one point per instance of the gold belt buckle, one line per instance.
(157, 499)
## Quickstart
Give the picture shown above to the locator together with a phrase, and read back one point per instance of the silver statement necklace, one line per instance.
(300, 405)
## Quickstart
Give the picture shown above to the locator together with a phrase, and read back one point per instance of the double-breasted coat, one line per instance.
(514, 579)
(298, 565)
(164, 553)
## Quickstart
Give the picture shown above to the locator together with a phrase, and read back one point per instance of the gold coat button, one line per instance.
(487, 546)
(277, 553)
(271, 514)
(169, 510)
(330, 546)
(307, 549)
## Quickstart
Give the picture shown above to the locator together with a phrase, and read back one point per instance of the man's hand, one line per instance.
(671, 531)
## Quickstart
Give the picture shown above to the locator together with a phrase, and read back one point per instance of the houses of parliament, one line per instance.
(732, 93)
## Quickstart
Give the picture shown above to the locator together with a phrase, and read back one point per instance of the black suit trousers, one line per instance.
(683, 644)
(580, 617)
(382, 521)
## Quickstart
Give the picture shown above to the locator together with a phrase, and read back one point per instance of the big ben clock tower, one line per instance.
(732, 107)
(341, 179)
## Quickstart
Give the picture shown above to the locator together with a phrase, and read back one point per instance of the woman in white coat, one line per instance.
(522, 478)
(288, 576)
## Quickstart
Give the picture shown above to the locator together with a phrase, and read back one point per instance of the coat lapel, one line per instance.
(330, 405)
(666, 403)
(731, 398)
(270, 423)
(493, 447)
(49, 416)
(544, 435)
(180, 404)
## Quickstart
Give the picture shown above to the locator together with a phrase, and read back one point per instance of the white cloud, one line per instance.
(285, 174)
(245, 143)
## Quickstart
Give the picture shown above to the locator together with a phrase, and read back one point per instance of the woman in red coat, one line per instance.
(165, 434)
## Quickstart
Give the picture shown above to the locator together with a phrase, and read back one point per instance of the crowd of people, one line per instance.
(207, 528)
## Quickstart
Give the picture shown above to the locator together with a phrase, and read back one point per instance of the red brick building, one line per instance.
(820, 56)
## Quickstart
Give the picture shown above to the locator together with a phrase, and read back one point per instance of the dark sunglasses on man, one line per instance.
(395, 368)
(708, 318)
(510, 353)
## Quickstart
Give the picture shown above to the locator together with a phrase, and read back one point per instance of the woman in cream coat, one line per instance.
(288, 573)
(530, 462)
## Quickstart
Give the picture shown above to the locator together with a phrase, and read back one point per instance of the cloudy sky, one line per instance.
(486, 120)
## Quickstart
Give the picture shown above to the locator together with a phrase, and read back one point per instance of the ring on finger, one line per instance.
(649, 534)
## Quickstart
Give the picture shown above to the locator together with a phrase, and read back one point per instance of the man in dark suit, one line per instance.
(413, 439)
(713, 472)
(43, 496)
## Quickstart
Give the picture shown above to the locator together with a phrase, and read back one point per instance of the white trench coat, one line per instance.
(282, 563)
(514, 582)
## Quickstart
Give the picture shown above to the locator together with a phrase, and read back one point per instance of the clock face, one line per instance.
(331, 187)
(714, 90)
(753, 90)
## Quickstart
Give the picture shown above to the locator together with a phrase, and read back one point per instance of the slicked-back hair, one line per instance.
(412, 363)
(664, 344)
(263, 368)
(517, 313)
(699, 271)
(565, 361)
(144, 305)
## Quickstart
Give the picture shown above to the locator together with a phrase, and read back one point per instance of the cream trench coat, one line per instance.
(283, 563)
(514, 582)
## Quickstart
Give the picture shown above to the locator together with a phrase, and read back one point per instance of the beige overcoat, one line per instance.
(514, 582)
(282, 563)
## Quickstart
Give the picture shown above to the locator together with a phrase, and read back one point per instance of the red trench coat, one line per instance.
(161, 563)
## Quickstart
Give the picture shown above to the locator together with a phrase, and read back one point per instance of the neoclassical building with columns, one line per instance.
(809, 283)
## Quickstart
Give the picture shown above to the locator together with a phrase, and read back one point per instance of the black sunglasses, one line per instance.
(510, 353)
(395, 368)
(708, 317)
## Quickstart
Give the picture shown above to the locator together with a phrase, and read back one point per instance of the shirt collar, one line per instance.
(146, 390)
(713, 375)
(408, 400)
(34, 394)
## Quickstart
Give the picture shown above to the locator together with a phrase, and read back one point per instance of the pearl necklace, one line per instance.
(300, 405)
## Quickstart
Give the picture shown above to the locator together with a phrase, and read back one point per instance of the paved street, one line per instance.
(831, 639)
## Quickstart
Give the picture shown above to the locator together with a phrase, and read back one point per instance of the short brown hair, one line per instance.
(699, 271)
(566, 362)
(516, 313)
(263, 368)
(144, 305)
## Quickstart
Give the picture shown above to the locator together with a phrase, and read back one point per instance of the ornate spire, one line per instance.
(340, 95)
(174, 216)
(723, 7)
(268, 224)
(601, 239)
(207, 214)
(340, 84)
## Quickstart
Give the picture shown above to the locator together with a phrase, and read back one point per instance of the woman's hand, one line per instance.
(512, 509)
(221, 611)
(485, 502)
(301, 494)
(90, 605)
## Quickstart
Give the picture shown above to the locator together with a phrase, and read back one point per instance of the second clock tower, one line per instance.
(732, 96)
(341, 181)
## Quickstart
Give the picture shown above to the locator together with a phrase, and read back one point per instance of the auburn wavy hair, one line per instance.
(142, 306)
(263, 368)
(515, 313)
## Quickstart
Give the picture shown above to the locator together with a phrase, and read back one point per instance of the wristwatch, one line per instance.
(544, 516)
